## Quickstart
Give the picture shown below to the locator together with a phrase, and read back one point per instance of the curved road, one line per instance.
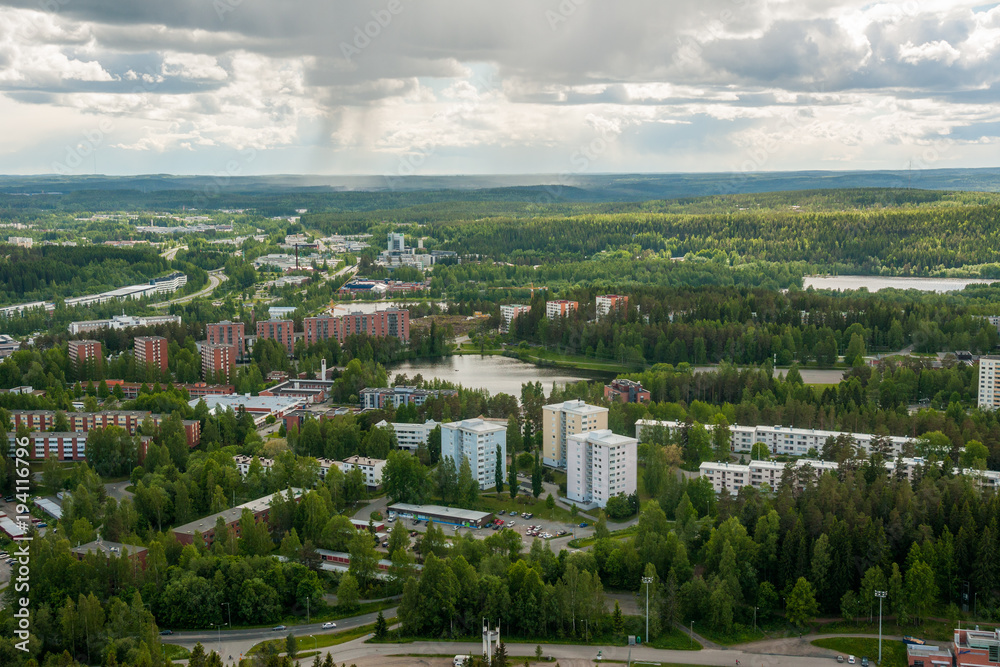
(215, 278)
(172, 252)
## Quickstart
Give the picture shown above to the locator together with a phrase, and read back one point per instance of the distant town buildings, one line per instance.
(560, 308)
(285, 263)
(609, 303)
(281, 312)
(599, 466)
(397, 254)
(217, 362)
(23, 241)
(123, 322)
(561, 420)
(377, 398)
(86, 354)
(380, 288)
(130, 390)
(989, 383)
(258, 407)
(228, 333)
(162, 285)
(282, 331)
(476, 441)
(626, 391)
(508, 313)
(151, 351)
(8, 345)
(389, 323)
(311, 391)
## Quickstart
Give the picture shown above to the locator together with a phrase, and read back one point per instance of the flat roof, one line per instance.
(234, 401)
(50, 506)
(230, 515)
(8, 526)
(576, 406)
(477, 425)
(440, 510)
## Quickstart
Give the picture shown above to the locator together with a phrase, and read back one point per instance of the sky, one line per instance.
(400, 87)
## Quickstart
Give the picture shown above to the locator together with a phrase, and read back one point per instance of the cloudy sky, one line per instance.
(517, 86)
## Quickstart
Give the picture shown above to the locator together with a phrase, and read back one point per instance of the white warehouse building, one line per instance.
(476, 440)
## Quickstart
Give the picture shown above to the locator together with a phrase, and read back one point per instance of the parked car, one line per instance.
(385, 543)
(840, 658)
(413, 533)
(328, 625)
(864, 661)
(850, 659)
(42, 525)
(278, 628)
(529, 515)
(583, 524)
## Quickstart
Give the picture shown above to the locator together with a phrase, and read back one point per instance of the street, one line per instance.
(215, 278)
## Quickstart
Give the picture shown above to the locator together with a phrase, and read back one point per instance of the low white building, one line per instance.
(734, 476)
(599, 466)
(410, 436)
(476, 440)
(780, 440)
(370, 468)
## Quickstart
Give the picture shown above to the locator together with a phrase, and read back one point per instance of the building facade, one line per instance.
(217, 362)
(151, 351)
(560, 308)
(282, 331)
(626, 391)
(228, 333)
(561, 420)
(370, 468)
(130, 420)
(610, 303)
(509, 312)
(121, 322)
(989, 383)
(599, 466)
(373, 398)
(260, 508)
(411, 436)
(389, 323)
(86, 353)
(476, 441)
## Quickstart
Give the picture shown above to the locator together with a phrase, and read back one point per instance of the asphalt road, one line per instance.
(172, 252)
(238, 642)
(215, 278)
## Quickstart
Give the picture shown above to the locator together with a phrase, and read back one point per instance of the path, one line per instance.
(215, 278)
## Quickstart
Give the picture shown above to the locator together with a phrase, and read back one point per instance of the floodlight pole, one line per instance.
(881, 596)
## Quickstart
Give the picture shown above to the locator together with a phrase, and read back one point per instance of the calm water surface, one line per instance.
(496, 374)
(876, 283)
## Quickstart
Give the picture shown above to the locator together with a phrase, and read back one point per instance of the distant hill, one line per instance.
(282, 194)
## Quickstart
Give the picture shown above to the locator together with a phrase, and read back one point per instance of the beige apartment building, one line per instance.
(565, 419)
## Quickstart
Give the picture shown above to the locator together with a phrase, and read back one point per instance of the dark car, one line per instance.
(166, 632)
(278, 628)
(583, 524)
(864, 661)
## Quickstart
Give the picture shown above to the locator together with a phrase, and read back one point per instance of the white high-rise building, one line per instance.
(599, 466)
(476, 440)
(509, 312)
(989, 383)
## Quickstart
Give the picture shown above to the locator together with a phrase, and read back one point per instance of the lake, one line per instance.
(876, 283)
(494, 373)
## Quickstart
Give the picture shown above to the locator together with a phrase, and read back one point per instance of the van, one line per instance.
(462, 660)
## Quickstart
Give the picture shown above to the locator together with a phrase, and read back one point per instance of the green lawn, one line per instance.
(936, 630)
(489, 502)
(893, 652)
(175, 652)
(318, 641)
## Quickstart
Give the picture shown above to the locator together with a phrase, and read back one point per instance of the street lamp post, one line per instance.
(647, 581)
(881, 596)
(315, 643)
(229, 608)
(691, 636)
(755, 619)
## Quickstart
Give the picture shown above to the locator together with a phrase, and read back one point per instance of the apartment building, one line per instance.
(410, 436)
(509, 312)
(734, 476)
(121, 322)
(217, 361)
(282, 331)
(130, 420)
(370, 468)
(86, 352)
(151, 351)
(626, 391)
(561, 420)
(260, 508)
(373, 398)
(66, 446)
(228, 333)
(785, 440)
(600, 465)
(610, 303)
(390, 323)
(560, 308)
(989, 383)
(476, 441)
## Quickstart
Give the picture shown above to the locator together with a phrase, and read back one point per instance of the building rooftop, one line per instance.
(475, 425)
(603, 437)
(363, 461)
(108, 548)
(230, 515)
(577, 407)
(440, 510)
(254, 403)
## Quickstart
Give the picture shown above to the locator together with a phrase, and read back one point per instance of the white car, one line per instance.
(328, 625)
(850, 659)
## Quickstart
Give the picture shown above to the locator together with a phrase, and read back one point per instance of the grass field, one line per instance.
(175, 652)
(893, 652)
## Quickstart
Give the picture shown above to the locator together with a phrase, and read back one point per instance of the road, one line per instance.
(117, 490)
(215, 278)
(172, 252)
(238, 642)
